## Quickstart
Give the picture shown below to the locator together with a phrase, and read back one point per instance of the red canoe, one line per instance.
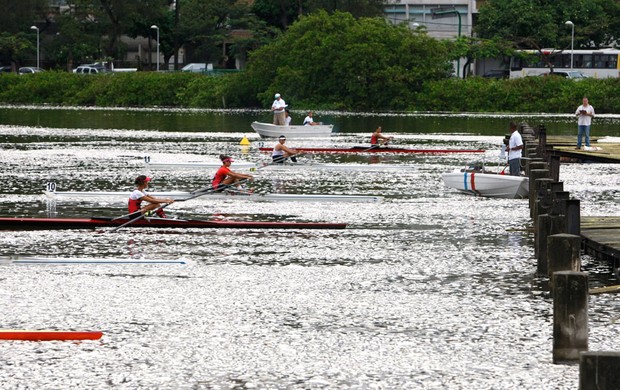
(48, 335)
(98, 222)
(389, 149)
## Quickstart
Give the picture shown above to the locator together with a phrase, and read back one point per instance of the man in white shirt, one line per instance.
(278, 107)
(584, 114)
(308, 121)
(514, 149)
(287, 118)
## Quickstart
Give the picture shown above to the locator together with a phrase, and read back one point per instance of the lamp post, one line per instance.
(36, 28)
(572, 41)
(157, 28)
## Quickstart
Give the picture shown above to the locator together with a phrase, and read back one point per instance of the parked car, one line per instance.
(5, 69)
(91, 69)
(567, 74)
(194, 67)
(30, 70)
(497, 74)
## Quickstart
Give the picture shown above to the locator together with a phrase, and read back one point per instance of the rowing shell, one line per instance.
(62, 260)
(233, 195)
(285, 166)
(366, 149)
(7, 223)
(48, 335)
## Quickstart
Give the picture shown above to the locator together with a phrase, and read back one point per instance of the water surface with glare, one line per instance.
(429, 289)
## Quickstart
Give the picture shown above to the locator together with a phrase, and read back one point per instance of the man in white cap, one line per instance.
(280, 152)
(278, 108)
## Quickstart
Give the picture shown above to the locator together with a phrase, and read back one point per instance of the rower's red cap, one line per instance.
(148, 179)
(228, 159)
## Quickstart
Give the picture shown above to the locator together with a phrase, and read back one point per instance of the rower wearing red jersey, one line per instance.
(376, 138)
(139, 194)
(225, 177)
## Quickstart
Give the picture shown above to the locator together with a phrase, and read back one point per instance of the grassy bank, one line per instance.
(531, 94)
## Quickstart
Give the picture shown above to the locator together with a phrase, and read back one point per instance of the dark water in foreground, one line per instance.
(429, 289)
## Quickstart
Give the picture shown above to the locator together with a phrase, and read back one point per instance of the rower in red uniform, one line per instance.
(225, 177)
(376, 136)
(139, 194)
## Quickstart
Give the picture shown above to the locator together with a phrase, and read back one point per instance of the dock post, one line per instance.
(547, 225)
(599, 370)
(542, 139)
(544, 198)
(573, 216)
(554, 167)
(570, 315)
(533, 195)
(563, 253)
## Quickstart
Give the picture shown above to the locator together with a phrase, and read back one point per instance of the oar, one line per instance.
(197, 194)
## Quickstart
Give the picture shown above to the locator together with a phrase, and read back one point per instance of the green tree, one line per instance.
(13, 48)
(18, 16)
(281, 13)
(473, 48)
(337, 61)
(541, 24)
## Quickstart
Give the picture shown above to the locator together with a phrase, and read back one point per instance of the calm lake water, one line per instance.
(429, 289)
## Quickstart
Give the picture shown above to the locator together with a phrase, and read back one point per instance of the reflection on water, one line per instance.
(428, 289)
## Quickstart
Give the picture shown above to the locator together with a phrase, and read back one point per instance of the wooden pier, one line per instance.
(601, 235)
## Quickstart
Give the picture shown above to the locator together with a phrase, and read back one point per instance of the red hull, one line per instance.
(91, 223)
(48, 335)
(362, 149)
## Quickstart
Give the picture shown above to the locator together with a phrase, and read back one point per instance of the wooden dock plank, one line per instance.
(564, 146)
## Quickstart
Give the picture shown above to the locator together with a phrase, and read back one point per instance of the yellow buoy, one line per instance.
(244, 141)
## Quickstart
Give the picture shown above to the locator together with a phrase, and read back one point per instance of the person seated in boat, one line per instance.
(377, 139)
(281, 152)
(308, 121)
(139, 194)
(287, 118)
(225, 178)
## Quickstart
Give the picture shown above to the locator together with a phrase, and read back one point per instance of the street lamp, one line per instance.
(157, 28)
(572, 40)
(36, 28)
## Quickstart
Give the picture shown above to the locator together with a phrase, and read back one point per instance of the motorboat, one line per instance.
(489, 184)
(268, 130)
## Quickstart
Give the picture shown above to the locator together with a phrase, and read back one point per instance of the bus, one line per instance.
(597, 63)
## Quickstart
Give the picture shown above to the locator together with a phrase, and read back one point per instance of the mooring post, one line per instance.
(544, 198)
(570, 315)
(554, 167)
(533, 195)
(542, 139)
(563, 254)
(573, 216)
(547, 225)
(599, 371)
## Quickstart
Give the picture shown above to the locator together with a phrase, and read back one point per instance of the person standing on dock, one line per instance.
(278, 107)
(281, 152)
(376, 137)
(514, 149)
(139, 194)
(584, 114)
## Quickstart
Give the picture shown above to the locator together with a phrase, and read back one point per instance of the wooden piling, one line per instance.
(554, 167)
(573, 217)
(547, 225)
(570, 315)
(599, 371)
(563, 253)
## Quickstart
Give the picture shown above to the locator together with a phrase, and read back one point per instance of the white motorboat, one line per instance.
(487, 184)
(267, 130)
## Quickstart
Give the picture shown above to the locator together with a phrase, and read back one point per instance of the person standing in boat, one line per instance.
(281, 152)
(139, 194)
(514, 149)
(278, 107)
(225, 177)
(377, 139)
(584, 114)
(308, 121)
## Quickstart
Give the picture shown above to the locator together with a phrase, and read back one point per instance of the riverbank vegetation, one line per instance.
(475, 94)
